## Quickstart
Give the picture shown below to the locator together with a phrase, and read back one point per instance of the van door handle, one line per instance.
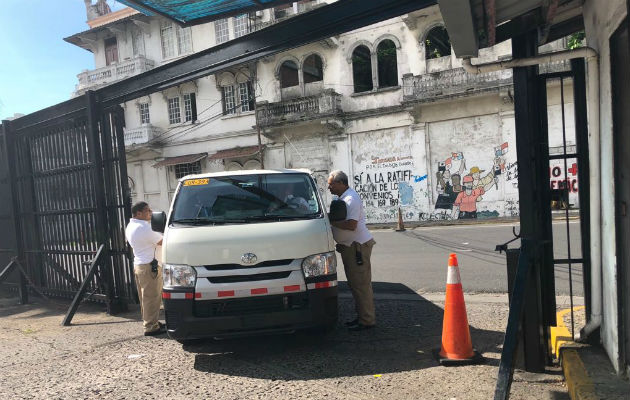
(622, 209)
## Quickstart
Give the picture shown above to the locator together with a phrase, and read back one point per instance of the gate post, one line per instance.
(9, 146)
(581, 141)
(96, 159)
(530, 102)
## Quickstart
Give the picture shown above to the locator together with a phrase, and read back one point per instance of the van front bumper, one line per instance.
(187, 318)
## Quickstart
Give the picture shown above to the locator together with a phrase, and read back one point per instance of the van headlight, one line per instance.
(319, 264)
(179, 275)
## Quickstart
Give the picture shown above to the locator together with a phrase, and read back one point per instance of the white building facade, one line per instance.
(388, 103)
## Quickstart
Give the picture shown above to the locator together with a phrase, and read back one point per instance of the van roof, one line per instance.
(249, 172)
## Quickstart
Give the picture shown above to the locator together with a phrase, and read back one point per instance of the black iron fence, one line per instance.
(67, 194)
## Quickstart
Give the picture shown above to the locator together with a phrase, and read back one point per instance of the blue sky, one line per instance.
(37, 67)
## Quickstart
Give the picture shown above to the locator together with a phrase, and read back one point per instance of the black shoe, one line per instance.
(352, 323)
(360, 327)
(159, 331)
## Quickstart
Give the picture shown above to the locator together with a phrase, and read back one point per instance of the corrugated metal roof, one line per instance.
(192, 12)
(187, 159)
(235, 153)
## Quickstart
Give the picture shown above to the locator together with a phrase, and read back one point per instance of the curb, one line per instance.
(579, 384)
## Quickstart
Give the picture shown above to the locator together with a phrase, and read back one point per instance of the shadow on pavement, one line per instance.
(406, 334)
(38, 307)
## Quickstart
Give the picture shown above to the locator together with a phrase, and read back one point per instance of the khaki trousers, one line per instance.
(360, 279)
(149, 287)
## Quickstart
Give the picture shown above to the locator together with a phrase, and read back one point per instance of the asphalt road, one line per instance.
(417, 258)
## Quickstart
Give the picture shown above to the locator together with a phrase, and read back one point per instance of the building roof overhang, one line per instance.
(88, 38)
(185, 159)
(236, 152)
(475, 24)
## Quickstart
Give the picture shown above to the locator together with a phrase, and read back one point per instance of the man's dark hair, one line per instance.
(138, 207)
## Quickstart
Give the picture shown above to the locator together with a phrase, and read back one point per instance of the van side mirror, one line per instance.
(158, 221)
(338, 210)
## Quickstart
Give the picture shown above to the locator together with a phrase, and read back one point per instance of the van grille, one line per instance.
(249, 278)
(270, 263)
(250, 305)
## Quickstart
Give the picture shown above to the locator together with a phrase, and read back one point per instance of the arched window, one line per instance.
(313, 69)
(362, 69)
(437, 43)
(387, 65)
(289, 74)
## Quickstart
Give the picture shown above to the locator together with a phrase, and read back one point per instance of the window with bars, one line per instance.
(243, 91)
(237, 98)
(241, 25)
(144, 113)
(229, 106)
(190, 107)
(174, 112)
(181, 170)
(221, 30)
(175, 40)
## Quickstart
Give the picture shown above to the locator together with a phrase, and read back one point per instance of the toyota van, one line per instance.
(247, 252)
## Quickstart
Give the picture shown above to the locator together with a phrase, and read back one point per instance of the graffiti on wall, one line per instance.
(385, 182)
(459, 188)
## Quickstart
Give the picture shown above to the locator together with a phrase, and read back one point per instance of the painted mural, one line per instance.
(459, 189)
(449, 170)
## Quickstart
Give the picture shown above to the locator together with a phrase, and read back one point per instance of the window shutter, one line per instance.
(251, 93)
(193, 106)
(223, 101)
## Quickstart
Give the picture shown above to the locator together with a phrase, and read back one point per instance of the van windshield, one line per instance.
(246, 198)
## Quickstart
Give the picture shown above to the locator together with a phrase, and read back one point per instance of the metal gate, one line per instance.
(68, 182)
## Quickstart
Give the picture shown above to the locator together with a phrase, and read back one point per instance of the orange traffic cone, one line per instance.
(456, 343)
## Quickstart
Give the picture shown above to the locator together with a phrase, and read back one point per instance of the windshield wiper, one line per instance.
(274, 217)
(207, 221)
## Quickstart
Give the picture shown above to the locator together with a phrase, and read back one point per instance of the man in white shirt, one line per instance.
(355, 243)
(143, 241)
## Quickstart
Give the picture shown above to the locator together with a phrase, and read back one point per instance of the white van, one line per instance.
(247, 252)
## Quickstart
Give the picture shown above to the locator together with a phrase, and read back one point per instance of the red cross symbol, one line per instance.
(573, 170)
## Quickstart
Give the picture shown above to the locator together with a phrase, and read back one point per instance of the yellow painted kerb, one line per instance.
(560, 334)
(579, 384)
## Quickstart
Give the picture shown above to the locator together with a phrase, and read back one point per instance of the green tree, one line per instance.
(576, 40)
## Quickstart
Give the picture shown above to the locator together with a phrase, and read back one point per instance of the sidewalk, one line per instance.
(589, 374)
(107, 357)
(556, 215)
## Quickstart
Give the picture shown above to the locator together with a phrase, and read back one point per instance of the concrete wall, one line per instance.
(600, 23)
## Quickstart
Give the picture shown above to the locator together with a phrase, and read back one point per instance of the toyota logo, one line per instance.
(249, 258)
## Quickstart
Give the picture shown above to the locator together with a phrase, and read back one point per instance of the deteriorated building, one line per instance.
(389, 103)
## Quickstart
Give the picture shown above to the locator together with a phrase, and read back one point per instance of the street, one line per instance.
(417, 258)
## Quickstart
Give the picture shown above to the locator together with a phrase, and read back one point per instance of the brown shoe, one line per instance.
(159, 331)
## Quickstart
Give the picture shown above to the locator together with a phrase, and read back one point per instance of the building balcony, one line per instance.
(141, 135)
(452, 83)
(104, 76)
(326, 105)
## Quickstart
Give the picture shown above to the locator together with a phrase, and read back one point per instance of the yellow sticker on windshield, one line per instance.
(196, 182)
